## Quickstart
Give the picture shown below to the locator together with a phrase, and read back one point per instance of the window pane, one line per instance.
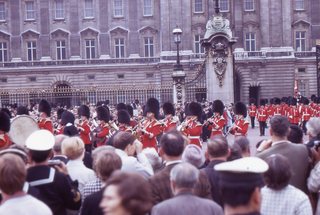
(299, 4)
(59, 9)
(2, 11)
(250, 41)
(147, 7)
(198, 6)
(88, 8)
(118, 10)
(248, 5)
(224, 5)
(30, 13)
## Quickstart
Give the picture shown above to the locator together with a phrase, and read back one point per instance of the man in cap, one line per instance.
(240, 183)
(170, 122)
(151, 127)
(84, 127)
(217, 122)
(240, 127)
(44, 118)
(4, 129)
(56, 188)
(252, 111)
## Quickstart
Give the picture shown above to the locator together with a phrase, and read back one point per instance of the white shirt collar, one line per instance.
(167, 163)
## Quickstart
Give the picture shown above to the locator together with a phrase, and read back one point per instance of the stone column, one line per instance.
(179, 88)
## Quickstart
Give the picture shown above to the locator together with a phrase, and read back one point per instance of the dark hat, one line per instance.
(284, 99)
(4, 122)
(153, 106)
(70, 131)
(103, 113)
(59, 112)
(292, 101)
(262, 102)
(240, 109)
(313, 97)
(22, 110)
(67, 117)
(195, 109)
(84, 110)
(168, 108)
(218, 107)
(252, 100)
(277, 101)
(123, 117)
(7, 111)
(121, 106)
(130, 110)
(45, 107)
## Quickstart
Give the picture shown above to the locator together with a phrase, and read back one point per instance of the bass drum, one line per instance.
(21, 127)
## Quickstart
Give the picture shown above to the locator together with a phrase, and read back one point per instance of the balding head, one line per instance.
(172, 143)
(183, 176)
(218, 147)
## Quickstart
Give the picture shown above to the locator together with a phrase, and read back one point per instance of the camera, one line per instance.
(54, 162)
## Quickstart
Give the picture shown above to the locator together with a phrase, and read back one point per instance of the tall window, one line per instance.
(3, 52)
(59, 12)
(224, 5)
(249, 5)
(31, 50)
(250, 41)
(300, 41)
(299, 4)
(198, 6)
(148, 47)
(61, 50)
(119, 47)
(88, 8)
(30, 10)
(118, 8)
(2, 11)
(147, 7)
(90, 48)
(197, 46)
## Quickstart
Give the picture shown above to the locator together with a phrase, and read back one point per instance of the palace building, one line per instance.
(74, 51)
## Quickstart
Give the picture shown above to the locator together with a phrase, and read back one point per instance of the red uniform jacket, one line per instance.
(125, 128)
(46, 124)
(240, 128)
(277, 110)
(270, 111)
(193, 131)
(102, 135)
(85, 132)
(293, 115)
(217, 125)
(252, 110)
(306, 113)
(151, 130)
(262, 114)
(169, 124)
(4, 141)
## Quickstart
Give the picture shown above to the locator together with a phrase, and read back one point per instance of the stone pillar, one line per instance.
(179, 88)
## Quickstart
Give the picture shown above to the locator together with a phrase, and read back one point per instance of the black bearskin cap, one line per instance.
(240, 109)
(218, 107)
(67, 117)
(152, 106)
(103, 113)
(45, 107)
(4, 122)
(195, 109)
(168, 108)
(84, 110)
(121, 106)
(123, 117)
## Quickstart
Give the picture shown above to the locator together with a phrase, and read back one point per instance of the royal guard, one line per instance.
(192, 127)
(4, 129)
(284, 106)
(293, 113)
(84, 127)
(102, 132)
(124, 121)
(133, 122)
(262, 116)
(252, 111)
(217, 121)
(306, 113)
(58, 128)
(270, 108)
(150, 127)
(277, 107)
(44, 118)
(170, 121)
(240, 127)
(67, 122)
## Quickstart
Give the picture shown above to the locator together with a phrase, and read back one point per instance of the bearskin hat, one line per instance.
(195, 109)
(123, 117)
(313, 97)
(130, 110)
(218, 107)
(168, 108)
(292, 101)
(4, 122)
(121, 106)
(59, 113)
(305, 100)
(22, 110)
(153, 106)
(240, 109)
(103, 113)
(45, 107)
(284, 99)
(84, 110)
(70, 131)
(262, 102)
(277, 101)
(67, 117)
(252, 101)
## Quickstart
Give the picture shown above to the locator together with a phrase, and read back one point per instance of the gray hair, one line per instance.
(184, 175)
(313, 126)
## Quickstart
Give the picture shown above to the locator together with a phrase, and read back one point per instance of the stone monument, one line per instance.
(218, 43)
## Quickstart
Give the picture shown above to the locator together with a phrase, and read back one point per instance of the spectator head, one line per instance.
(124, 141)
(313, 128)
(73, 148)
(244, 145)
(58, 139)
(95, 153)
(244, 176)
(12, 174)
(172, 144)
(279, 172)
(295, 134)
(279, 126)
(106, 163)
(40, 144)
(22, 110)
(126, 193)
(153, 157)
(235, 152)
(193, 154)
(183, 176)
(217, 148)
(16, 150)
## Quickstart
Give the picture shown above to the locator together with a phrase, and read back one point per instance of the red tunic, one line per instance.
(262, 114)
(85, 132)
(126, 128)
(193, 131)
(46, 124)
(217, 125)
(240, 128)
(277, 110)
(293, 115)
(4, 141)
(252, 110)
(169, 124)
(151, 129)
(102, 135)
(306, 113)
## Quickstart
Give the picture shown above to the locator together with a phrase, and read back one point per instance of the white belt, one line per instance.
(193, 137)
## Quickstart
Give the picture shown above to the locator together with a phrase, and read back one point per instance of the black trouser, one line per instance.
(88, 147)
(262, 126)
(252, 121)
(304, 128)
